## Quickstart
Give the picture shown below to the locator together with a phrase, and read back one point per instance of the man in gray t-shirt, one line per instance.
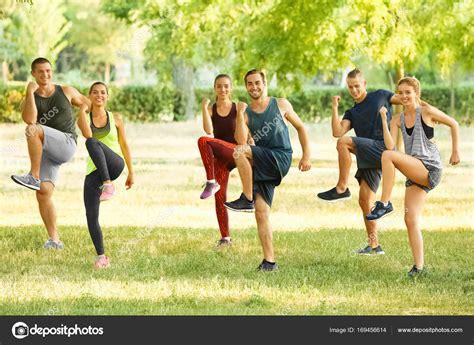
(51, 137)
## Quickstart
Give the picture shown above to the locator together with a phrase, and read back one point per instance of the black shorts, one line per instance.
(371, 176)
(369, 161)
(269, 168)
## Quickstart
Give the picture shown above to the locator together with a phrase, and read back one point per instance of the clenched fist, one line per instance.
(205, 102)
(241, 106)
(32, 87)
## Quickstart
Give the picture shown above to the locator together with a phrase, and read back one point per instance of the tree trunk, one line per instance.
(451, 86)
(107, 73)
(400, 73)
(5, 72)
(183, 76)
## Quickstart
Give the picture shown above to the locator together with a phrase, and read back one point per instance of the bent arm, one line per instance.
(339, 127)
(82, 122)
(77, 98)
(390, 135)
(124, 147)
(295, 120)
(29, 112)
(241, 134)
(437, 115)
(206, 120)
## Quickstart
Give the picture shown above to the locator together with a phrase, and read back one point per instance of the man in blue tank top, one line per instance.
(51, 138)
(262, 166)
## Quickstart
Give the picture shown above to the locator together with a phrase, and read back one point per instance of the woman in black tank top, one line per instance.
(217, 151)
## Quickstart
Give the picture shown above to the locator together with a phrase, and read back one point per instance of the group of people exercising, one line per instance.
(253, 138)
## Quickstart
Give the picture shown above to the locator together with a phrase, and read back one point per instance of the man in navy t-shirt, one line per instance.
(367, 145)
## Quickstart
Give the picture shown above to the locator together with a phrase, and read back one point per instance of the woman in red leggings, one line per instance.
(216, 152)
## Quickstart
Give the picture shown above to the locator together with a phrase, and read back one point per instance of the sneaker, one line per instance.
(108, 191)
(50, 244)
(102, 262)
(224, 243)
(378, 250)
(332, 195)
(210, 189)
(27, 181)
(266, 266)
(371, 251)
(380, 211)
(416, 272)
(242, 204)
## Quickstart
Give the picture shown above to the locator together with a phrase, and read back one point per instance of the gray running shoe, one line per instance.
(27, 181)
(266, 266)
(371, 251)
(416, 272)
(50, 244)
(223, 243)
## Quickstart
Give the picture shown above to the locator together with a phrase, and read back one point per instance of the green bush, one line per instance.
(164, 103)
(10, 100)
(314, 105)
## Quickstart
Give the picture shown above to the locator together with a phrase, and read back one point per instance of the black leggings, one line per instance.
(109, 166)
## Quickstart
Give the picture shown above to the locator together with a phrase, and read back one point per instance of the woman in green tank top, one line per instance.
(107, 146)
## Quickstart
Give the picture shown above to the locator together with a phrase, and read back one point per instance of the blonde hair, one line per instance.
(414, 83)
(355, 73)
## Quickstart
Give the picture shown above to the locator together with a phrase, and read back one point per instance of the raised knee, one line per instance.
(202, 141)
(91, 141)
(387, 155)
(31, 131)
(343, 143)
(239, 152)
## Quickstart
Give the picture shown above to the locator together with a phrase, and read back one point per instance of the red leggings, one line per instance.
(218, 160)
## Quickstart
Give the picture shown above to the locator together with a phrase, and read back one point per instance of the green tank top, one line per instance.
(107, 135)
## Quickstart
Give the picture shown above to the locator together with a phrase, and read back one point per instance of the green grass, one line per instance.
(160, 237)
(175, 271)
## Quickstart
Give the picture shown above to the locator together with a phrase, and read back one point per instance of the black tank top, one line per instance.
(56, 112)
(100, 132)
(429, 131)
(224, 126)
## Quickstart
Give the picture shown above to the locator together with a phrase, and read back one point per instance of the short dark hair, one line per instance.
(255, 71)
(98, 83)
(355, 73)
(38, 61)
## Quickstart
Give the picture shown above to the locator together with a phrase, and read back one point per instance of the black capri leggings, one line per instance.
(109, 166)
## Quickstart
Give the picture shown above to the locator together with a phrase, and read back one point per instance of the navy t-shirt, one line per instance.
(365, 118)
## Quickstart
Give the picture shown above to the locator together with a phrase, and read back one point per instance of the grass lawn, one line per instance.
(170, 271)
(160, 237)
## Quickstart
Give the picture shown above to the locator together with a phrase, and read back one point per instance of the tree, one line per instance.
(102, 37)
(33, 35)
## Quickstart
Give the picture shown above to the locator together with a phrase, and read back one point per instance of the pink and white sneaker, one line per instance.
(210, 189)
(108, 191)
(102, 262)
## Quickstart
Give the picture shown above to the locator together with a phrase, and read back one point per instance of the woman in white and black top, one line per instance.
(421, 162)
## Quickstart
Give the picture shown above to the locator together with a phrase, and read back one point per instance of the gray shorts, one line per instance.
(434, 177)
(58, 148)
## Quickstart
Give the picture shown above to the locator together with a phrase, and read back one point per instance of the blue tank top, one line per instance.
(269, 128)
